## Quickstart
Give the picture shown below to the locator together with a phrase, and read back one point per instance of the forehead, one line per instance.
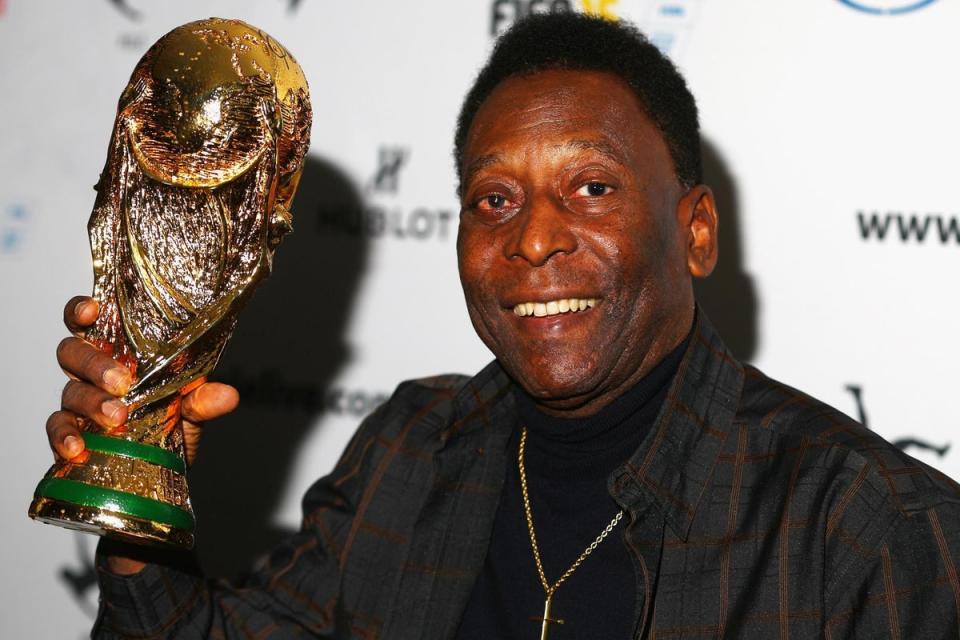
(548, 108)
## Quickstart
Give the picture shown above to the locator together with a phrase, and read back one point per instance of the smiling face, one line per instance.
(577, 241)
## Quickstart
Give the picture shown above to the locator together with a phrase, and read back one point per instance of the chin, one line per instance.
(558, 383)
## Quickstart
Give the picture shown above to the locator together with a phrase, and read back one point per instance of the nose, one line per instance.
(543, 231)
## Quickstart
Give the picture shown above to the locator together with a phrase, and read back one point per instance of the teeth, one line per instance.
(554, 307)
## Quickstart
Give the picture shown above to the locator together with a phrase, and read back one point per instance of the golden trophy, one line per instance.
(206, 152)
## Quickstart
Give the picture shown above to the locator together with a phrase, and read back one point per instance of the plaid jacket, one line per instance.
(754, 511)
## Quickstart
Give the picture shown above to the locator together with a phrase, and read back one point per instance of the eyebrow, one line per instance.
(479, 164)
(602, 147)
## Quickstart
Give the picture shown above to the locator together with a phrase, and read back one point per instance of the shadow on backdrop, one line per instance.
(288, 346)
(728, 296)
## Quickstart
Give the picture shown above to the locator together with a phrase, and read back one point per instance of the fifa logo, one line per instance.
(505, 12)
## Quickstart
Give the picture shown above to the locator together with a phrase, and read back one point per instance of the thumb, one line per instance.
(208, 401)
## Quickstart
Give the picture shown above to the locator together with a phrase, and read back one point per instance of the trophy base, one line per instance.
(104, 522)
(119, 488)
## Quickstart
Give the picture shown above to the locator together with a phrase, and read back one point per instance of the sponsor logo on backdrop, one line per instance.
(137, 40)
(906, 443)
(665, 23)
(14, 222)
(136, 15)
(908, 227)
(126, 10)
(272, 390)
(887, 7)
(133, 40)
(668, 24)
(378, 221)
(384, 214)
(387, 176)
(505, 12)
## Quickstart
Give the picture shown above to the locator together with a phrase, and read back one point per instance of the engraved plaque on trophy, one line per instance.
(206, 152)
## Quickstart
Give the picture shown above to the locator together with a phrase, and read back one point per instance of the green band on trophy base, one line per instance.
(129, 449)
(115, 501)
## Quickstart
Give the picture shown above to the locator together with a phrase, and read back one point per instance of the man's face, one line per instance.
(570, 201)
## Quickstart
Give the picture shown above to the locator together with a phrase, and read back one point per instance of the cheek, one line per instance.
(466, 255)
(624, 256)
(476, 263)
(643, 264)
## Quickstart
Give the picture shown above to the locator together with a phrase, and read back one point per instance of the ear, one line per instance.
(697, 211)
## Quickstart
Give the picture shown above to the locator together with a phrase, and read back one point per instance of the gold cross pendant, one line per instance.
(546, 618)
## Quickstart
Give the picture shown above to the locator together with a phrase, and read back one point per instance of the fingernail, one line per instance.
(83, 307)
(73, 445)
(117, 379)
(112, 409)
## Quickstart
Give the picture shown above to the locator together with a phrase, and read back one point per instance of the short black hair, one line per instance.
(580, 42)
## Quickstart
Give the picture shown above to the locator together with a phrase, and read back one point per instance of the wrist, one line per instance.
(125, 558)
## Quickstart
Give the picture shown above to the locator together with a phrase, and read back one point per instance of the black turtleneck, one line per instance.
(568, 461)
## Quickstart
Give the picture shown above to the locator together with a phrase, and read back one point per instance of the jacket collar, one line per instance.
(675, 461)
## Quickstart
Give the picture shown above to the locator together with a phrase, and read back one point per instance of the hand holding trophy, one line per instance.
(205, 156)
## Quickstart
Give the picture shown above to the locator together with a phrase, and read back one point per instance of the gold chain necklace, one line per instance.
(547, 587)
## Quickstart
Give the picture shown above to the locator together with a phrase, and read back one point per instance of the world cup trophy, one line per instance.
(205, 156)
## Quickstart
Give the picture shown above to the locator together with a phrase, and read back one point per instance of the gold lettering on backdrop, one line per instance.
(602, 8)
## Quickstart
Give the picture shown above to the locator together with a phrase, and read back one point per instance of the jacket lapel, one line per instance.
(452, 531)
(663, 482)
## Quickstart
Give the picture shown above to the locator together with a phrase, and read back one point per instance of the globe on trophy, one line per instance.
(205, 156)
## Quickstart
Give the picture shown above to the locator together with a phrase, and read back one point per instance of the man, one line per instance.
(615, 472)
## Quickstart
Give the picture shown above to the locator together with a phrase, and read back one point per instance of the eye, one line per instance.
(492, 202)
(594, 189)
(495, 201)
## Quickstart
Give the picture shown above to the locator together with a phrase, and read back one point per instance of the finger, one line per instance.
(80, 313)
(82, 360)
(209, 401)
(89, 401)
(64, 435)
(191, 440)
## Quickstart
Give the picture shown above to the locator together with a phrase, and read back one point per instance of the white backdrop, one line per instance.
(831, 132)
